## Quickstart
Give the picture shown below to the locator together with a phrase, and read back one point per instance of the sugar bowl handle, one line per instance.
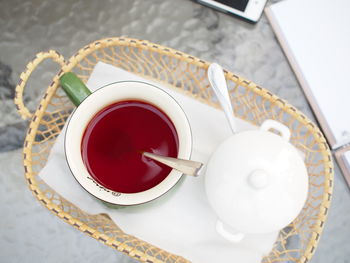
(230, 235)
(272, 124)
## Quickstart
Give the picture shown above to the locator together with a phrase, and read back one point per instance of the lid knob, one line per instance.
(258, 179)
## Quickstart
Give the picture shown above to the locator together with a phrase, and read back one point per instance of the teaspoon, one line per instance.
(187, 167)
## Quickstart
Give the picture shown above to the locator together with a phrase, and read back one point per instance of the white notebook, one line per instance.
(315, 36)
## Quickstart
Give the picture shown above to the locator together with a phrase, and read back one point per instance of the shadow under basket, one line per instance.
(187, 74)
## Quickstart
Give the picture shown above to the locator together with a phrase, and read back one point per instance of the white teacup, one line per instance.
(92, 103)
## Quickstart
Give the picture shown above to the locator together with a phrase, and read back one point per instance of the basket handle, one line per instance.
(23, 78)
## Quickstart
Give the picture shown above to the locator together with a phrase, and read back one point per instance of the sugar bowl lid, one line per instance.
(256, 181)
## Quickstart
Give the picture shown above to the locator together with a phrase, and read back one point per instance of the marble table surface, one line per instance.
(28, 232)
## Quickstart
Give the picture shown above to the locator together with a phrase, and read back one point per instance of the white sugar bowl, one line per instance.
(256, 182)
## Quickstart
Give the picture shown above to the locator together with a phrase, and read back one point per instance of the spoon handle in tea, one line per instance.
(187, 167)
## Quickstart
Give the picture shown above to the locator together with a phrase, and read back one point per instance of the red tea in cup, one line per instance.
(115, 138)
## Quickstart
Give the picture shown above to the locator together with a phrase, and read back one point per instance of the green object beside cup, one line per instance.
(74, 87)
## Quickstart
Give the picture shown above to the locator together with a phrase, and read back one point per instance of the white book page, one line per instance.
(315, 35)
(347, 158)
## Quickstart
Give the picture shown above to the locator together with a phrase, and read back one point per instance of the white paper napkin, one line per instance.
(181, 221)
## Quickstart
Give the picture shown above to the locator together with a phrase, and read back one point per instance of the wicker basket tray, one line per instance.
(296, 243)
